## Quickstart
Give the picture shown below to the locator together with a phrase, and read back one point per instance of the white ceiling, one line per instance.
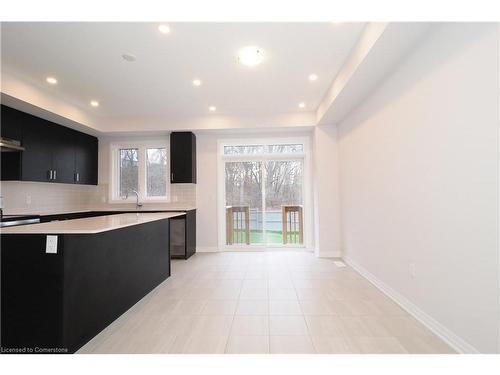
(86, 60)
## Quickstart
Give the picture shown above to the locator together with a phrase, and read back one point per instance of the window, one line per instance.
(243, 150)
(156, 172)
(129, 171)
(141, 167)
(283, 148)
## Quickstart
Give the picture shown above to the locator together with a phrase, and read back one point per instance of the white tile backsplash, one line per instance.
(39, 197)
(181, 195)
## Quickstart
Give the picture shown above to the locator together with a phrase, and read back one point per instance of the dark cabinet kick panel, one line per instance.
(53, 153)
(182, 157)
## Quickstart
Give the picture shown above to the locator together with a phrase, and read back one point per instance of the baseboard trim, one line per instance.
(329, 254)
(216, 249)
(207, 249)
(437, 328)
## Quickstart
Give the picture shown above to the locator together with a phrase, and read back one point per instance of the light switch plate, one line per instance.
(51, 245)
(413, 270)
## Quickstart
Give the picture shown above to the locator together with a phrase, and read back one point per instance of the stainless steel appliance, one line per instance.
(12, 220)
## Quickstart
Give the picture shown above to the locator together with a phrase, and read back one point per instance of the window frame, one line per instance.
(142, 146)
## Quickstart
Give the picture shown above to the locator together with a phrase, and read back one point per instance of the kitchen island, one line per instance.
(63, 282)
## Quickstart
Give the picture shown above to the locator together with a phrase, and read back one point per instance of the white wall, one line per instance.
(419, 183)
(326, 192)
(206, 192)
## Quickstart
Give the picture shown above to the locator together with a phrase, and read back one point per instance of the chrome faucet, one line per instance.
(138, 204)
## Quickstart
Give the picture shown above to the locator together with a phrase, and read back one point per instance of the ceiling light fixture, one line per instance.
(250, 55)
(51, 80)
(128, 57)
(313, 77)
(196, 82)
(164, 29)
(212, 108)
(302, 105)
(94, 103)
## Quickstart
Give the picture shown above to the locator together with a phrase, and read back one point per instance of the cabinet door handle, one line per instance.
(77, 177)
(172, 176)
(49, 172)
(55, 174)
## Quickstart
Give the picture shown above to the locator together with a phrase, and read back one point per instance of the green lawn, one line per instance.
(273, 237)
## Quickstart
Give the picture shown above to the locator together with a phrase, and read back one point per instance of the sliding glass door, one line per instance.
(243, 186)
(264, 194)
(283, 202)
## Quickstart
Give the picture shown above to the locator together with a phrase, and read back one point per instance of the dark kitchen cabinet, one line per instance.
(10, 120)
(38, 140)
(86, 151)
(63, 155)
(182, 157)
(10, 161)
(55, 303)
(53, 153)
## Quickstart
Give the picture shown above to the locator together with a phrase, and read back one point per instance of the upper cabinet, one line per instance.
(182, 157)
(53, 153)
(86, 151)
(39, 140)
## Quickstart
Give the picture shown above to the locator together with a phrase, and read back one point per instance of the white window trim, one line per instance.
(306, 186)
(114, 168)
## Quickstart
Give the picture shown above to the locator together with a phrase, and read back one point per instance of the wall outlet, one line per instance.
(51, 245)
(28, 199)
(413, 270)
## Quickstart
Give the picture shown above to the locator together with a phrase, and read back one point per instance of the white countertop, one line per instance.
(99, 208)
(145, 208)
(90, 225)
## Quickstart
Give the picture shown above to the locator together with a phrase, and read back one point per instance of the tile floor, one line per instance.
(274, 302)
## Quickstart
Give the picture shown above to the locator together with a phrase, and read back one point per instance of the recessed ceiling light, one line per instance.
(128, 57)
(250, 55)
(302, 105)
(94, 103)
(51, 80)
(212, 108)
(164, 29)
(313, 77)
(196, 82)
